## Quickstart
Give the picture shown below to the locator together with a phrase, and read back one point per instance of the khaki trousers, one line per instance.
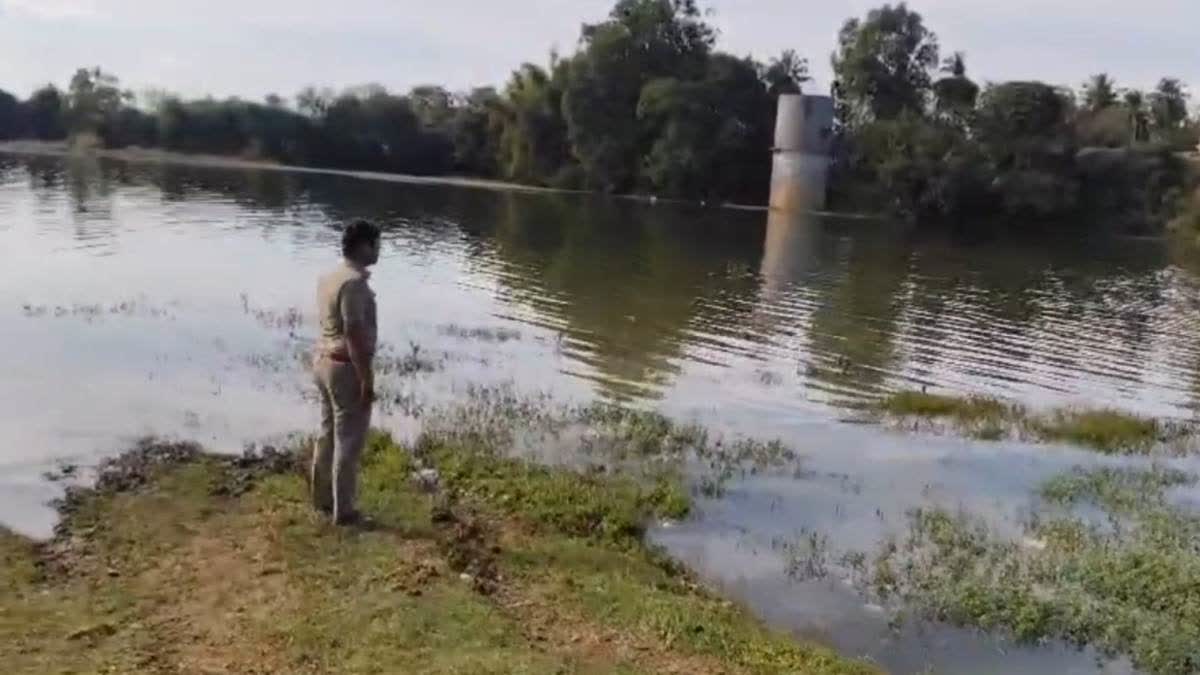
(345, 420)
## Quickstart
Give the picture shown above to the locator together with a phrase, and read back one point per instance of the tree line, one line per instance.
(921, 138)
(647, 103)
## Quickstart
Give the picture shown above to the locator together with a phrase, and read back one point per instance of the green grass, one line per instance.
(614, 508)
(199, 564)
(1105, 429)
(1131, 590)
(966, 409)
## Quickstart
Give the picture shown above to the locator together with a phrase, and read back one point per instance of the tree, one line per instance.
(956, 94)
(130, 126)
(173, 123)
(710, 134)
(1017, 112)
(883, 64)
(151, 99)
(94, 99)
(533, 132)
(47, 110)
(1099, 92)
(786, 74)
(643, 40)
(924, 169)
(433, 105)
(1169, 104)
(475, 131)
(1139, 122)
(12, 117)
(314, 102)
(1024, 129)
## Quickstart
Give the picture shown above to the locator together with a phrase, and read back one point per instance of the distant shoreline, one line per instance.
(156, 156)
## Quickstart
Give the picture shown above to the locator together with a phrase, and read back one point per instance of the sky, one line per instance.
(250, 48)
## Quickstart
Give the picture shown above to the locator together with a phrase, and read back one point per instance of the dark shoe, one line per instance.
(353, 519)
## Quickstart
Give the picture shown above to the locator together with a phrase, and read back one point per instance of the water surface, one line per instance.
(166, 300)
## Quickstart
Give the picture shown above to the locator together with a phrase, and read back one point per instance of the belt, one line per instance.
(337, 358)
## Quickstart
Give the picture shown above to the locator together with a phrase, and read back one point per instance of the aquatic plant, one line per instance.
(498, 334)
(1104, 429)
(1130, 586)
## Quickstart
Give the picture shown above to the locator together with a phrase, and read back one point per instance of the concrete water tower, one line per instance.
(803, 151)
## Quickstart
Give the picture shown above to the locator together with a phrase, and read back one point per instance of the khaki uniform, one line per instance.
(343, 298)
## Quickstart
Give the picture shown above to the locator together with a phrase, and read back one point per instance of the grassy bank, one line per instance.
(1125, 580)
(183, 562)
(1102, 429)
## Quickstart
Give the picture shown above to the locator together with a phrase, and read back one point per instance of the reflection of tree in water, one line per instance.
(257, 189)
(90, 192)
(934, 310)
(1036, 311)
(10, 169)
(9, 166)
(1185, 272)
(45, 174)
(626, 284)
(636, 288)
(853, 330)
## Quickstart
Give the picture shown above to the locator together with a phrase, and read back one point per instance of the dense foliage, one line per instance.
(1026, 152)
(648, 104)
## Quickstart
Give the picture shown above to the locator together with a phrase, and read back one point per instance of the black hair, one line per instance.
(359, 232)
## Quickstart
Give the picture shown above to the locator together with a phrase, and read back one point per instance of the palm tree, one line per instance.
(1099, 92)
(955, 65)
(1169, 103)
(1139, 121)
(786, 74)
(956, 94)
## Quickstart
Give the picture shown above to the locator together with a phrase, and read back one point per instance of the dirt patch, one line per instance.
(418, 565)
(225, 588)
(149, 457)
(472, 544)
(468, 543)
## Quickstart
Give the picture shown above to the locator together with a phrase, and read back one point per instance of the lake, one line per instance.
(168, 300)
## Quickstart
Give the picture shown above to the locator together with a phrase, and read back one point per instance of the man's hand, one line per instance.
(361, 359)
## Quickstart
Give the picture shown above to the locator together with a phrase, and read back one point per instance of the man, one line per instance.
(343, 369)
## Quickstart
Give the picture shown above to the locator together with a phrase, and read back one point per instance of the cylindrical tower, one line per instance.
(803, 138)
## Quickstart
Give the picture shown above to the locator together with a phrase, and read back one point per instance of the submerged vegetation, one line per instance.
(1117, 490)
(1105, 430)
(647, 103)
(183, 561)
(1126, 583)
(604, 437)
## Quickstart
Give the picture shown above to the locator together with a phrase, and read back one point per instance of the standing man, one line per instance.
(343, 368)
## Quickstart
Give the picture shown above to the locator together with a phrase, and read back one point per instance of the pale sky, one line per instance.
(253, 47)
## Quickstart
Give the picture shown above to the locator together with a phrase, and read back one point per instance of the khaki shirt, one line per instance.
(344, 298)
